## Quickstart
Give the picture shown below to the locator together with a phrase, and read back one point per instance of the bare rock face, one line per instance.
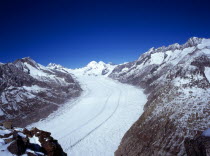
(30, 91)
(177, 81)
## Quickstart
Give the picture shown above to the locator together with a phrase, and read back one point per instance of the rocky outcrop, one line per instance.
(30, 91)
(49, 146)
(32, 142)
(198, 146)
(176, 80)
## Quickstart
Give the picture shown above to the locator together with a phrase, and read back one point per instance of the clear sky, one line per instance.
(75, 32)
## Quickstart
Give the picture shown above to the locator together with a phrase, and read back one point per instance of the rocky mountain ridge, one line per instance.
(30, 91)
(176, 80)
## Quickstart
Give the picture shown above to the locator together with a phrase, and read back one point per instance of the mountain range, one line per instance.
(30, 91)
(175, 78)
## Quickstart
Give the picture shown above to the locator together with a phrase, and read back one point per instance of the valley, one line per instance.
(95, 123)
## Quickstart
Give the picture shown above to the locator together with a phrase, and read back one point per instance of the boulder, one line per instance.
(17, 147)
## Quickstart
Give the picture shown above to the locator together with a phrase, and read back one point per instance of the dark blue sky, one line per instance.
(75, 32)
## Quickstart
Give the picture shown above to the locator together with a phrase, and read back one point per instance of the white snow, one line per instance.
(181, 81)
(95, 123)
(169, 54)
(22, 135)
(157, 58)
(34, 88)
(206, 133)
(1, 112)
(206, 51)
(3, 98)
(18, 129)
(34, 140)
(40, 73)
(2, 142)
(207, 73)
(30, 151)
(124, 69)
(35, 72)
(204, 43)
(178, 55)
(4, 151)
(3, 132)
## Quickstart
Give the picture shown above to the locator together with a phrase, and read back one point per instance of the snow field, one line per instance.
(95, 123)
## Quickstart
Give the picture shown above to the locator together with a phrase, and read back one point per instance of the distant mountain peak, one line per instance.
(193, 41)
(54, 66)
(26, 60)
(94, 63)
(95, 69)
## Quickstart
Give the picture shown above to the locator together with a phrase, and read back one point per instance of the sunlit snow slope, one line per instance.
(95, 123)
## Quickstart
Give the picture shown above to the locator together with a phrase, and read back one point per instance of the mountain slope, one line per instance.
(176, 79)
(30, 91)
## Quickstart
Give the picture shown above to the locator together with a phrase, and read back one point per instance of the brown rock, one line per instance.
(199, 146)
(7, 124)
(17, 147)
(50, 146)
(27, 132)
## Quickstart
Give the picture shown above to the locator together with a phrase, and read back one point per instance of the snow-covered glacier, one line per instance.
(95, 123)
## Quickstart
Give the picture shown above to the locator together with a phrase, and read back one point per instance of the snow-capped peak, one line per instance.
(95, 68)
(193, 41)
(27, 60)
(174, 46)
(151, 49)
(165, 51)
(92, 64)
(95, 63)
(54, 66)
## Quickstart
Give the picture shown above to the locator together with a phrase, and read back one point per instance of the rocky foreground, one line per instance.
(34, 142)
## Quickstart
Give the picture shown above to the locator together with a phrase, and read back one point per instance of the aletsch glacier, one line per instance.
(95, 122)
